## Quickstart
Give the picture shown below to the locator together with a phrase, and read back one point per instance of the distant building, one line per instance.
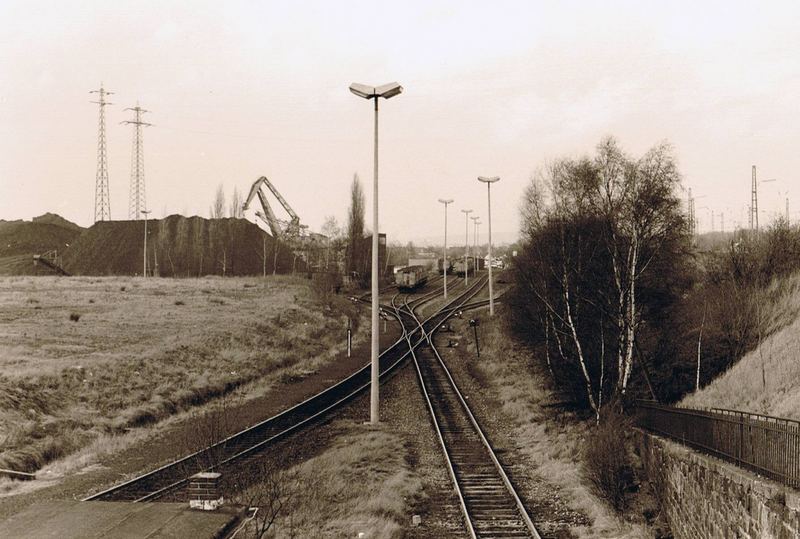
(424, 259)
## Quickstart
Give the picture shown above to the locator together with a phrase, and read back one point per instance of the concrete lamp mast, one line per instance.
(475, 222)
(466, 246)
(144, 270)
(371, 92)
(444, 264)
(489, 181)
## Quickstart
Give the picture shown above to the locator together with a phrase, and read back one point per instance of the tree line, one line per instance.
(613, 296)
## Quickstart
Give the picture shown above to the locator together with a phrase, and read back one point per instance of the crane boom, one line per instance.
(293, 227)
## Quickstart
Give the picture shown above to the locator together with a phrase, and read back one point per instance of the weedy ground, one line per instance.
(765, 379)
(84, 360)
(362, 483)
(552, 438)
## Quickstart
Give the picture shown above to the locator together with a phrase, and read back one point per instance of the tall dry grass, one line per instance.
(551, 438)
(765, 379)
(362, 484)
(135, 358)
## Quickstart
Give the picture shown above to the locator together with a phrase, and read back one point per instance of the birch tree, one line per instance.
(593, 228)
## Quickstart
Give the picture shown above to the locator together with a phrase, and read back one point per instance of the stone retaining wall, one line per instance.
(706, 498)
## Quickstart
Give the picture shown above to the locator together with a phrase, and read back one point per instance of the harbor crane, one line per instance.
(282, 229)
(290, 231)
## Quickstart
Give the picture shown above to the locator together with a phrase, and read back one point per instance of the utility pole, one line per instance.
(102, 201)
(475, 221)
(713, 224)
(754, 202)
(137, 202)
(144, 270)
(722, 221)
(466, 246)
(690, 211)
(444, 262)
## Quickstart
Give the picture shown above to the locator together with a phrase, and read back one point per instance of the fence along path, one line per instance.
(767, 445)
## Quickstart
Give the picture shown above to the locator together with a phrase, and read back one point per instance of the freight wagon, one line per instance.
(411, 277)
(459, 266)
(440, 266)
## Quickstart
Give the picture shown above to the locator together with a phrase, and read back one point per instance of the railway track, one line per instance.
(172, 478)
(489, 502)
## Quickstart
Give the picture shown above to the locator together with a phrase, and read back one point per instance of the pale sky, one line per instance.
(239, 90)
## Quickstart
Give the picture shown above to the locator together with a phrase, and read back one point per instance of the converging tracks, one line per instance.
(489, 502)
(172, 478)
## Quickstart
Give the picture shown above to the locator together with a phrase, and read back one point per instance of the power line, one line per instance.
(136, 201)
(102, 201)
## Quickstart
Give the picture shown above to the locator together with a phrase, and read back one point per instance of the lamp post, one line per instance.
(370, 92)
(444, 264)
(144, 270)
(475, 222)
(466, 246)
(489, 182)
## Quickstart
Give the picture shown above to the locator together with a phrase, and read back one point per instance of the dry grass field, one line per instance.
(765, 380)
(362, 483)
(83, 359)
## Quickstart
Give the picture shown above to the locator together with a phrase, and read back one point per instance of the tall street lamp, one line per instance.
(444, 264)
(144, 271)
(475, 222)
(489, 182)
(466, 246)
(371, 92)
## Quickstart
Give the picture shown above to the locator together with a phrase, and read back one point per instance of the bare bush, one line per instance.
(258, 483)
(607, 463)
(267, 489)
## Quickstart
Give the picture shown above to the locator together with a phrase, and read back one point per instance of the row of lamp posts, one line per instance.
(387, 91)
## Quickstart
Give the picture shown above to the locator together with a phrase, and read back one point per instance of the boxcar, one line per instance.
(458, 267)
(411, 277)
(440, 266)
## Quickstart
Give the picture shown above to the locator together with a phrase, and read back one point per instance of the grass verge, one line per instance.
(549, 435)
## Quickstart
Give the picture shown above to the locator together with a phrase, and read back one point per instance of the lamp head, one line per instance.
(467, 211)
(368, 92)
(491, 179)
(447, 201)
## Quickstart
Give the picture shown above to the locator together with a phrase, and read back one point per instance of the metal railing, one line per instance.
(767, 445)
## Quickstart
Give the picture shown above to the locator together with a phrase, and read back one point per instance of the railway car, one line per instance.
(459, 267)
(411, 277)
(440, 266)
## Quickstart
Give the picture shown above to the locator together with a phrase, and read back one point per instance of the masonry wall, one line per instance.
(706, 498)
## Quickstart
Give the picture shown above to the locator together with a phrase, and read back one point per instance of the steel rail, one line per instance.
(471, 520)
(258, 426)
(116, 491)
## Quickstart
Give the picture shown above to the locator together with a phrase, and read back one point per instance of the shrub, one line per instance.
(607, 463)
(74, 317)
(179, 302)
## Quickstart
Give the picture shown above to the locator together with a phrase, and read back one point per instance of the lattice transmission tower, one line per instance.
(137, 201)
(102, 200)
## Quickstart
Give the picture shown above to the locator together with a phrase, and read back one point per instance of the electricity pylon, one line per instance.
(137, 202)
(102, 201)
